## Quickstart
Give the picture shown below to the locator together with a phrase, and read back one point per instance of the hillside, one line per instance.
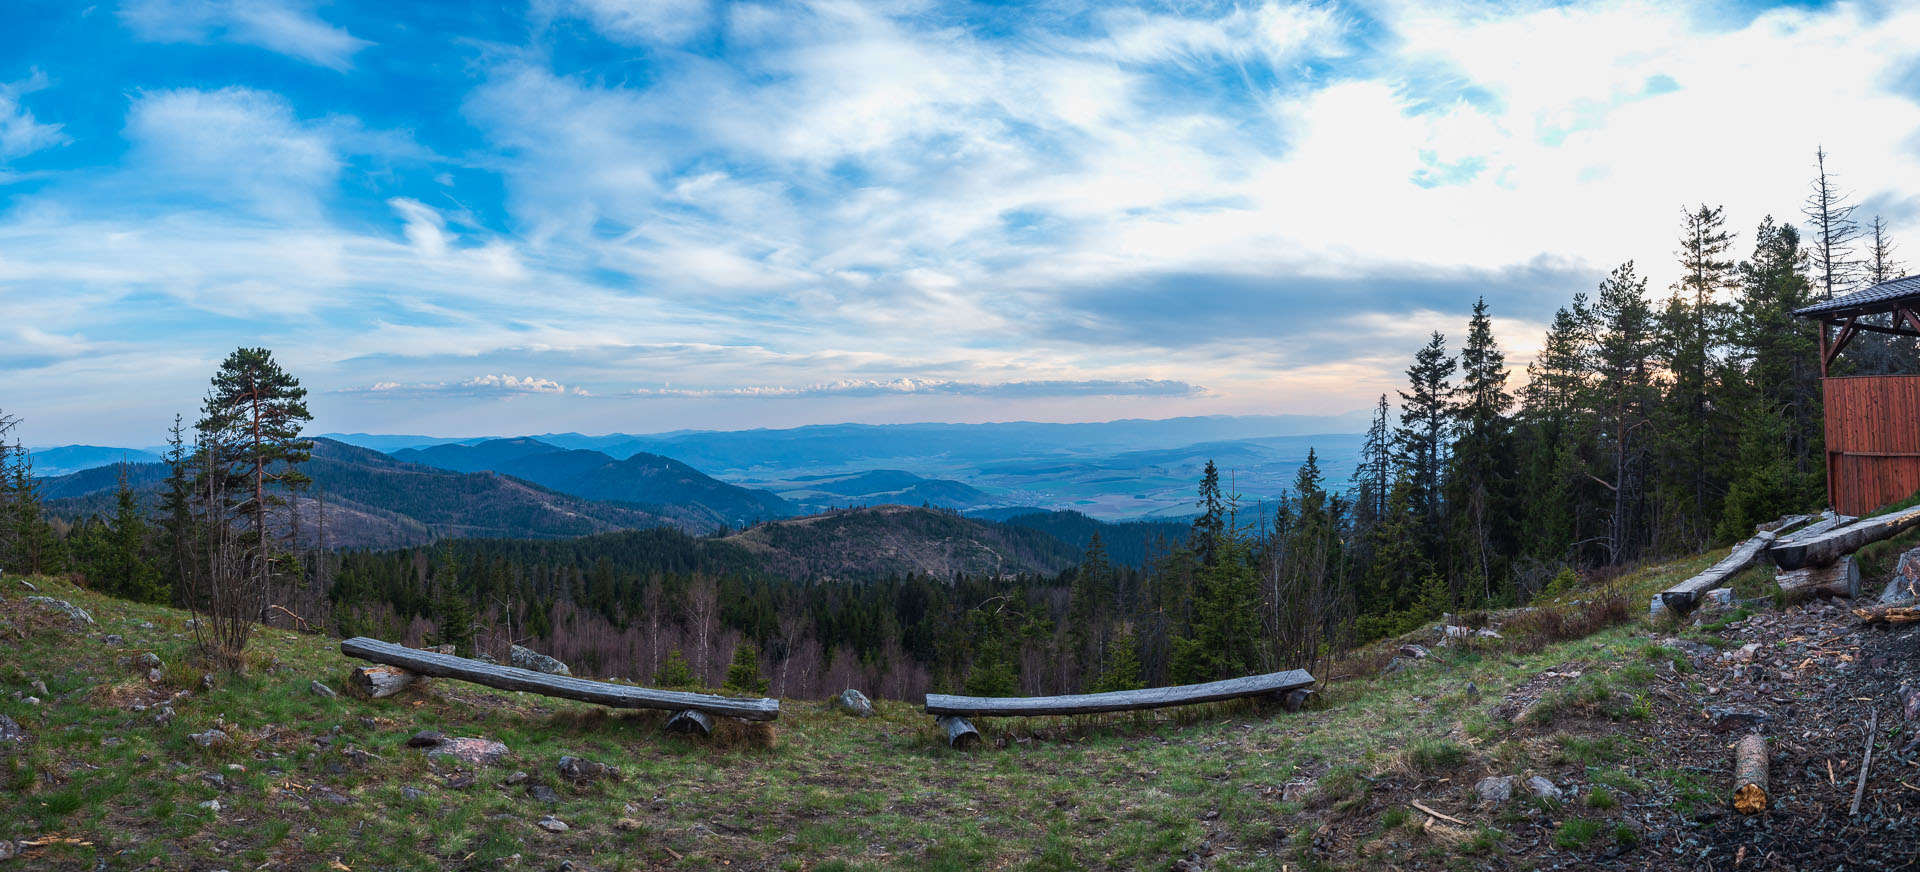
(1128, 543)
(373, 500)
(1607, 709)
(641, 479)
(887, 540)
(884, 486)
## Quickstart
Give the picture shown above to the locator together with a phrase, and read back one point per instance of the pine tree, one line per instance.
(1693, 330)
(1778, 351)
(250, 448)
(1830, 217)
(1420, 440)
(743, 674)
(1477, 487)
(1622, 354)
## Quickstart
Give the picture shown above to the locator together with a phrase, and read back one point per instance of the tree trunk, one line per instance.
(378, 682)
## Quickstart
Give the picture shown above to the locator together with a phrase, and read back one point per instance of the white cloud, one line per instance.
(289, 28)
(478, 386)
(638, 22)
(234, 145)
(20, 133)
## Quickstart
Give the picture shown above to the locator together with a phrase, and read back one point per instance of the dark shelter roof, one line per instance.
(1883, 297)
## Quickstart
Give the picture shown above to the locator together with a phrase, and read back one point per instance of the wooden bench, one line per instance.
(693, 712)
(953, 711)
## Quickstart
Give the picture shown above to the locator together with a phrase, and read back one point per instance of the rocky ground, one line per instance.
(1578, 735)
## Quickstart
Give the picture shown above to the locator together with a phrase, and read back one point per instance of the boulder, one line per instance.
(472, 751)
(426, 739)
(1416, 652)
(74, 613)
(10, 733)
(527, 658)
(542, 793)
(553, 824)
(581, 771)
(1904, 586)
(1544, 789)
(852, 702)
(1495, 788)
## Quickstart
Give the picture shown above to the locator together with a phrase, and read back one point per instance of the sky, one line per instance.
(647, 215)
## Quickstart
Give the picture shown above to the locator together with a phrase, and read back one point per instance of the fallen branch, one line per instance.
(1860, 790)
(1888, 614)
(1750, 775)
(1455, 820)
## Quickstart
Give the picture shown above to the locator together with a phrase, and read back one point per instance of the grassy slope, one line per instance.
(823, 792)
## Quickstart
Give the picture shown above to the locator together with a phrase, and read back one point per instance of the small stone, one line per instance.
(155, 676)
(332, 796)
(627, 824)
(472, 751)
(553, 824)
(852, 702)
(1414, 651)
(146, 625)
(411, 795)
(1494, 788)
(215, 780)
(150, 660)
(1295, 791)
(1485, 633)
(460, 782)
(32, 700)
(1543, 788)
(517, 778)
(206, 682)
(112, 639)
(581, 771)
(209, 738)
(41, 686)
(212, 805)
(1473, 692)
(8, 850)
(542, 793)
(426, 739)
(322, 690)
(10, 732)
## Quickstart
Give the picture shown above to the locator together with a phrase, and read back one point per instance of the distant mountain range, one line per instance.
(74, 458)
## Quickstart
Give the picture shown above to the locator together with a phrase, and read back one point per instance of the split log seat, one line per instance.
(953, 711)
(694, 712)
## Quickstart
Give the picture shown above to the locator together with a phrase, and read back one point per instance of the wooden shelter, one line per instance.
(1873, 421)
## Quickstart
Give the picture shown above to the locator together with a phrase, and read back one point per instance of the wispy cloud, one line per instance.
(285, 26)
(478, 386)
(941, 387)
(20, 133)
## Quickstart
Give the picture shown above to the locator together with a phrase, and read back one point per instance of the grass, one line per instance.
(824, 792)
(1576, 833)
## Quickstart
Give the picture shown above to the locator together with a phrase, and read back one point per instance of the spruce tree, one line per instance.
(675, 673)
(1420, 440)
(1477, 487)
(1122, 668)
(743, 674)
(1830, 217)
(125, 568)
(1622, 356)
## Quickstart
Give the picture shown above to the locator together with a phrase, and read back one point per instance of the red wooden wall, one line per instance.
(1873, 440)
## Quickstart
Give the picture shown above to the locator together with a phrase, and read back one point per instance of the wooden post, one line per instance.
(960, 733)
(1750, 775)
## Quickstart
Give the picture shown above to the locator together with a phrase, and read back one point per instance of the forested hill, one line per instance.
(1127, 543)
(640, 479)
(901, 540)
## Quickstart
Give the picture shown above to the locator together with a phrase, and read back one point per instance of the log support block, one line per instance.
(1295, 700)
(378, 682)
(1839, 578)
(960, 733)
(691, 722)
(1750, 775)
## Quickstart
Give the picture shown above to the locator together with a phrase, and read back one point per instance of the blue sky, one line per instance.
(643, 215)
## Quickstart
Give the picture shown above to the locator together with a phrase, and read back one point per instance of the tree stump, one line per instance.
(1839, 578)
(380, 681)
(1750, 775)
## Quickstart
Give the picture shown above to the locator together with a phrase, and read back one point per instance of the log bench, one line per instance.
(693, 712)
(952, 711)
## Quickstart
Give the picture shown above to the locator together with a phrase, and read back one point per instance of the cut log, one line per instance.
(1120, 700)
(1750, 775)
(1780, 527)
(1683, 597)
(1828, 520)
(566, 687)
(1888, 614)
(379, 682)
(691, 721)
(960, 733)
(1839, 578)
(1295, 700)
(1824, 548)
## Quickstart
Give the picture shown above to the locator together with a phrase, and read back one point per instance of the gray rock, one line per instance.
(1726, 719)
(527, 658)
(852, 702)
(581, 771)
(329, 795)
(476, 752)
(1414, 652)
(155, 676)
(517, 778)
(426, 739)
(74, 613)
(322, 690)
(1485, 633)
(8, 850)
(209, 738)
(150, 660)
(411, 795)
(112, 639)
(1473, 692)
(484, 657)
(212, 805)
(553, 824)
(1398, 665)
(542, 793)
(1544, 789)
(1295, 791)
(10, 732)
(1495, 788)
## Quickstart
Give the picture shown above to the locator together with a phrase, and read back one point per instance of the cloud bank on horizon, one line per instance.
(644, 215)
